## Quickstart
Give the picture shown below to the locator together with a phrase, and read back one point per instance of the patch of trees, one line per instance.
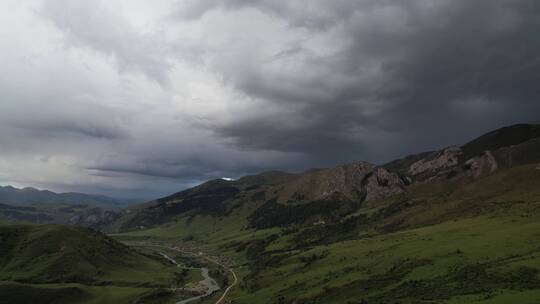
(273, 214)
(375, 284)
(485, 279)
(220, 276)
(328, 234)
(260, 259)
(310, 259)
(205, 202)
(208, 201)
(258, 196)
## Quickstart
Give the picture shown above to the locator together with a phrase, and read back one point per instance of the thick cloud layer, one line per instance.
(134, 98)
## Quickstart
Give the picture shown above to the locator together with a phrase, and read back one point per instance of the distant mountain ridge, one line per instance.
(323, 195)
(28, 196)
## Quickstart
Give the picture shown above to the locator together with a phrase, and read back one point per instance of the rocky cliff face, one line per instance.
(503, 148)
(278, 198)
(436, 164)
(357, 181)
(448, 163)
(95, 218)
(381, 183)
(480, 165)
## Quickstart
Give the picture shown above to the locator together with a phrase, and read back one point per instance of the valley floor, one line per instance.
(467, 243)
(489, 259)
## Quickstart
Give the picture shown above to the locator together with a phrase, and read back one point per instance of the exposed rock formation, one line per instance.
(436, 164)
(357, 181)
(503, 148)
(95, 218)
(382, 183)
(484, 164)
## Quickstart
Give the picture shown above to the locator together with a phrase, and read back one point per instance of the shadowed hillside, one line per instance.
(60, 264)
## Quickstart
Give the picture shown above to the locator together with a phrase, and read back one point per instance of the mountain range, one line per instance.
(344, 188)
(27, 196)
(456, 225)
(42, 206)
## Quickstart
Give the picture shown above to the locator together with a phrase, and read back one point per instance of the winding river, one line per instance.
(210, 285)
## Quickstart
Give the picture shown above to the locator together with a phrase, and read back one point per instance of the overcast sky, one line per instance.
(144, 98)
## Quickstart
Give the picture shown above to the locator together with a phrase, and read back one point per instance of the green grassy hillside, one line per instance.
(447, 241)
(60, 264)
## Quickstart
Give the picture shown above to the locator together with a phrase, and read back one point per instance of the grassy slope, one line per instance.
(71, 265)
(448, 242)
(387, 266)
(71, 293)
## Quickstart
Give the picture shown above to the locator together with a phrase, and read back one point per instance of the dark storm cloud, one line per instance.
(148, 97)
(188, 170)
(436, 69)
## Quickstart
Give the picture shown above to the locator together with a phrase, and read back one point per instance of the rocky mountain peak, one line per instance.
(356, 181)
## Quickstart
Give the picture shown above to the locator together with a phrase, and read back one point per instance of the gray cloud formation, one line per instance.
(138, 98)
(424, 69)
(92, 25)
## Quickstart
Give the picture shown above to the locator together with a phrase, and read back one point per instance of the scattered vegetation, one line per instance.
(61, 264)
(448, 241)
